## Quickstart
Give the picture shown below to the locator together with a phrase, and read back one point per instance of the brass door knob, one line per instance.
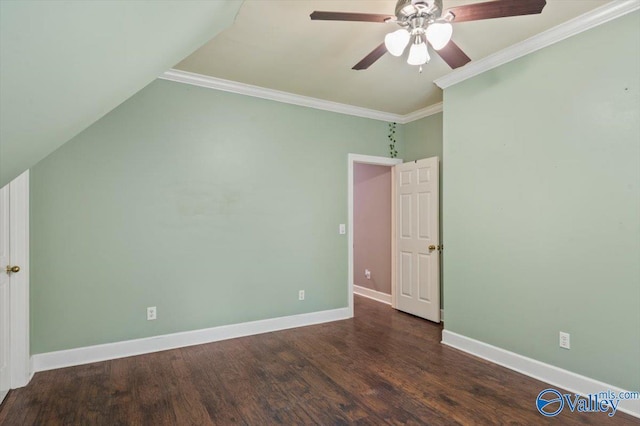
(13, 269)
(432, 247)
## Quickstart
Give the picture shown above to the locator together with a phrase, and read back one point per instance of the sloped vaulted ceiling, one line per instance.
(65, 64)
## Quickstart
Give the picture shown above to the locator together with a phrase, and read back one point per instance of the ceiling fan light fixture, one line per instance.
(439, 34)
(418, 54)
(397, 41)
(428, 23)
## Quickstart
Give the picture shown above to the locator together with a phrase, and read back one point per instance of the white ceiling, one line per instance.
(274, 44)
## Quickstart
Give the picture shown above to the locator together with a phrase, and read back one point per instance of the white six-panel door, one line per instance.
(417, 238)
(5, 371)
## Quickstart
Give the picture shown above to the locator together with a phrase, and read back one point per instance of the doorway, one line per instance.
(353, 160)
(372, 231)
(415, 237)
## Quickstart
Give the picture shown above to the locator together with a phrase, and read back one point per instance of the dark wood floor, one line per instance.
(382, 367)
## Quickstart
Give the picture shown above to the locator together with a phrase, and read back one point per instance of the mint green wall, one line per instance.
(423, 138)
(66, 63)
(216, 208)
(542, 204)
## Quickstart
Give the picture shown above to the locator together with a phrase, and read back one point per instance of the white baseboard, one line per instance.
(89, 354)
(372, 294)
(555, 376)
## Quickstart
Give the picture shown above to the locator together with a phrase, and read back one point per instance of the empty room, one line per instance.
(322, 212)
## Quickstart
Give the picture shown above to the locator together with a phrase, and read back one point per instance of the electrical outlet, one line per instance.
(301, 295)
(342, 229)
(151, 313)
(367, 274)
(565, 340)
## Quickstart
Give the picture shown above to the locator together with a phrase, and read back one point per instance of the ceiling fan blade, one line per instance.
(497, 9)
(371, 58)
(348, 16)
(453, 55)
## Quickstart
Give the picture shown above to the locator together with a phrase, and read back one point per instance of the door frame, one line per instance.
(378, 161)
(19, 283)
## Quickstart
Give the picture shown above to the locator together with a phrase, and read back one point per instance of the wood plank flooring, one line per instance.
(381, 367)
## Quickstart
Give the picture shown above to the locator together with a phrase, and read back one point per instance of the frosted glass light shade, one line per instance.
(418, 54)
(439, 34)
(396, 41)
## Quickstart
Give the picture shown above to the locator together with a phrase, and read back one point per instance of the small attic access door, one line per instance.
(15, 368)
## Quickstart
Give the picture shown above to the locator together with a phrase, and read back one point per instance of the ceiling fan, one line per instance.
(423, 21)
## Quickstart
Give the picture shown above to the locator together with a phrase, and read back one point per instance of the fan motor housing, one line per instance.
(408, 9)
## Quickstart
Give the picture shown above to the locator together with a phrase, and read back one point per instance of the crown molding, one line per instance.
(275, 95)
(606, 13)
(215, 83)
(582, 23)
(421, 113)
